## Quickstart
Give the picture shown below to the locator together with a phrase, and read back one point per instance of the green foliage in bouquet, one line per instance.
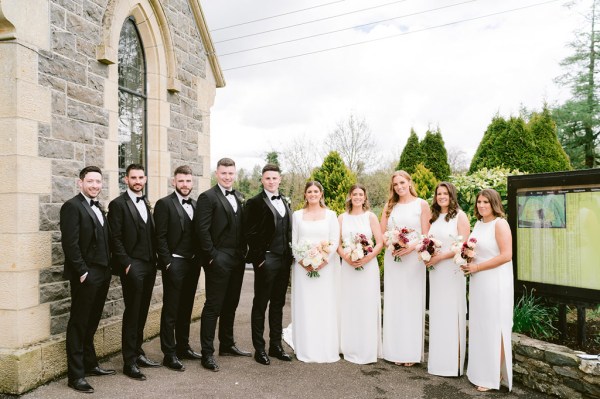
(336, 179)
(534, 318)
(468, 186)
(411, 154)
(435, 155)
(424, 181)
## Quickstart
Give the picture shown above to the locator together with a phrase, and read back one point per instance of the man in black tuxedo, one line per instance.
(134, 255)
(180, 265)
(86, 244)
(268, 230)
(218, 228)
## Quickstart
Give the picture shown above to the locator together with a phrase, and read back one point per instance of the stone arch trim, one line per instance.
(7, 29)
(106, 52)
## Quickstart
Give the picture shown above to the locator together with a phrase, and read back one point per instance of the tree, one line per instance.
(457, 159)
(272, 157)
(411, 154)
(299, 158)
(336, 179)
(529, 146)
(435, 156)
(579, 118)
(425, 181)
(352, 139)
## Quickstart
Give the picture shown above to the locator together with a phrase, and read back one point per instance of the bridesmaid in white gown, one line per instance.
(447, 287)
(404, 281)
(360, 297)
(490, 296)
(315, 331)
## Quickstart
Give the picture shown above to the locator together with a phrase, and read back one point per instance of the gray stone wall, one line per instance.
(76, 135)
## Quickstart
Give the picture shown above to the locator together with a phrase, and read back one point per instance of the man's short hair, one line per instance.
(225, 162)
(271, 167)
(134, 166)
(183, 170)
(89, 169)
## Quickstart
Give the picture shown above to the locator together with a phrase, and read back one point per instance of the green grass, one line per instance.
(534, 318)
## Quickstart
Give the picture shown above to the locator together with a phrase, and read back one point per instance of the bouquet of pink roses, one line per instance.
(427, 247)
(312, 254)
(397, 238)
(464, 251)
(357, 247)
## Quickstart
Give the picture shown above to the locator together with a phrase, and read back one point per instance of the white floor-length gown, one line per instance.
(360, 300)
(490, 314)
(447, 306)
(315, 330)
(404, 293)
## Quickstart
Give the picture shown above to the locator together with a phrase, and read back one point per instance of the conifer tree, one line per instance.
(435, 156)
(336, 179)
(424, 181)
(411, 154)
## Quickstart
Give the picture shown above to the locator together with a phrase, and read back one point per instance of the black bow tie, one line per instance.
(227, 192)
(186, 201)
(140, 198)
(96, 203)
(275, 197)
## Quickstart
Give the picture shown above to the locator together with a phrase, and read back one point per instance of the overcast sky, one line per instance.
(456, 76)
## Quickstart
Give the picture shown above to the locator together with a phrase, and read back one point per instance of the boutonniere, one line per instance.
(149, 205)
(287, 201)
(240, 197)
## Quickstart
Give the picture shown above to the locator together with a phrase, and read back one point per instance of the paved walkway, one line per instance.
(244, 378)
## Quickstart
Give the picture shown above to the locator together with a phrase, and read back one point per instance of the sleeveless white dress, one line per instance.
(360, 300)
(315, 329)
(490, 313)
(404, 294)
(447, 306)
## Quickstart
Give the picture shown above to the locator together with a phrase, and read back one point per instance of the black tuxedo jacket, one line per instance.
(79, 229)
(259, 225)
(127, 230)
(212, 218)
(169, 220)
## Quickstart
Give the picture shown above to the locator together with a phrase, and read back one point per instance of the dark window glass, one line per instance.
(132, 99)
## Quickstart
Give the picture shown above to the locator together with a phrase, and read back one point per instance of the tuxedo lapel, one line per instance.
(132, 209)
(288, 211)
(89, 210)
(226, 205)
(271, 207)
(179, 209)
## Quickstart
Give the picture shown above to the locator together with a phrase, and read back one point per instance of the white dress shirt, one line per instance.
(187, 207)
(277, 203)
(140, 205)
(230, 198)
(96, 210)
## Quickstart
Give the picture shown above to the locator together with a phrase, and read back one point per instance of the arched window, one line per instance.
(132, 99)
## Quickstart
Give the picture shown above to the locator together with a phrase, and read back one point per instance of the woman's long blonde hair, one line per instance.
(393, 197)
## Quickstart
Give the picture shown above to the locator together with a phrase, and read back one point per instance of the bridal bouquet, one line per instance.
(464, 251)
(398, 238)
(312, 254)
(427, 247)
(357, 247)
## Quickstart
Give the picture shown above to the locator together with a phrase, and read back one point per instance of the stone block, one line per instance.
(67, 69)
(52, 81)
(63, 189)
(19, 290)
(58, 324)
(111, 337)
(44, 130)
(59, 102)
(590, 367)
(65, 44)
(153, 322)
(19, 213)
(29, 326)
(58, 256)
(94, 155)
(49, 217)
(57, 16)
(30, 18)
(569, 372)
(82, 28)
(84, 95)
(51, 292)
(86, 49)
(72, 130)
(54, 360)
(66, 168)
(87, 113)
(32, 101)
(18, 137)
(25, 251)
(21, 370)
(61, 307)
(561, 358)
(60, 149)
(92, 12)
(51, 274)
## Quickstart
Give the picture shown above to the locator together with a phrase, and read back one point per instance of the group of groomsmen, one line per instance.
(217, 232)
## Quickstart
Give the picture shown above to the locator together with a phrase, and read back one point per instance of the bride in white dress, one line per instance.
(315, 333)
(404, 281)
(490, 296)
(360, 297)
(447, 287)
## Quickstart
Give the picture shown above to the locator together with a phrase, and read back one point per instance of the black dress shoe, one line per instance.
(262, 358)
(209, 363)
(132, 371)
(143, 361)
(171, 362)
(99, 371)
(189, 354)
(233, 351)
(81, 385)
(278, 352)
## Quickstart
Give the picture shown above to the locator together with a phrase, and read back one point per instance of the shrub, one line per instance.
(534, 318)
(424, 181)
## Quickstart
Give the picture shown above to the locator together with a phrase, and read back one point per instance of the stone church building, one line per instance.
(88, 82)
